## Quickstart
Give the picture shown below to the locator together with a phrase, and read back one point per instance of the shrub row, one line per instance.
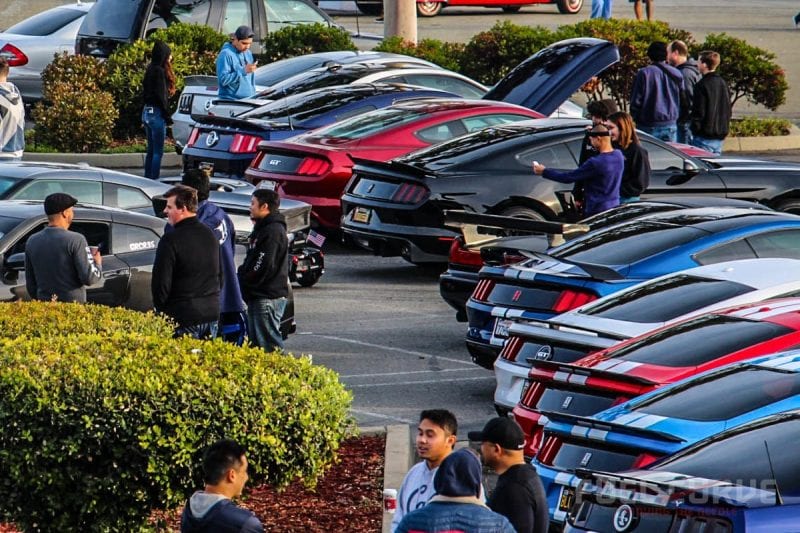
(106, 423)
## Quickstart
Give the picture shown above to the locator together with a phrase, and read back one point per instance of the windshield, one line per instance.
(699, 341)
(302, 107)
(365, 125)
(285, 13)
(273, 73)
(47, 22)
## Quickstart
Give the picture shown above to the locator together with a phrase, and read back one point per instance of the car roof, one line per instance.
(784, 310)
(29, 208)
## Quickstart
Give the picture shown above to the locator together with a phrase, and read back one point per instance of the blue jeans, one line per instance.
(684, 133)
(628, 199)
(156, 129)
(601, 9)
(206, 330)
(264, 322)
(710, 145)
(665, 133)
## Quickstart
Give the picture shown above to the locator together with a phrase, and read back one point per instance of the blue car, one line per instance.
(744, 479)
(227, 145)
(639, 432)
(614, 258)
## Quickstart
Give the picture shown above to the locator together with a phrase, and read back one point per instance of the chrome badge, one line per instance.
(212, 139)
(624, 518)
(567, 401)
(544, 353)
(586, 458)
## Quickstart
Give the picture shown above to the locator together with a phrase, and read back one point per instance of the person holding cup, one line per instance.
(59, 263)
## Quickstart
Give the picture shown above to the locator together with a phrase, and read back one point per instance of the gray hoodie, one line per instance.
(206, 512)
(12, 122)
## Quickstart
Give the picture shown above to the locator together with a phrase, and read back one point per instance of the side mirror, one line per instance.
(690, 170)
(16, 261)
(690, 167)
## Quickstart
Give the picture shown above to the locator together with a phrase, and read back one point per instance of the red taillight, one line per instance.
(620, 399)
(570, 299)
(511, 348)
(244, 144)
(256, 163)
(409, 193)
(461, 255)
(482, 290)
(193, 137)
(13, 55)
(645, 459)
(313, 166)
(510, 259)
(532, 394)
(549, 449)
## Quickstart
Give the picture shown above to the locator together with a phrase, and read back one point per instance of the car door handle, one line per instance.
(116, 273)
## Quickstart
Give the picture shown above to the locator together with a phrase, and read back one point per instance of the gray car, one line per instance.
(29, 46)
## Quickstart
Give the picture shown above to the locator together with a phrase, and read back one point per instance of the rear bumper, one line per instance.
(456, 286)
(483, 354)
(225, 165)
(416, 249)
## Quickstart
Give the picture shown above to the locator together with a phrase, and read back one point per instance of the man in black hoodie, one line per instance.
(711, 110)
(264, 275)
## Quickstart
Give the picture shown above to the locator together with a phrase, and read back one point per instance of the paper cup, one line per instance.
(389, 500)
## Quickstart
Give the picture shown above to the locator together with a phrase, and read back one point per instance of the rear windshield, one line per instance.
(725, 394)
(627, 243)
(316, 79)
(699, 341)
(303, 107)
(47, 22)
(286, 68)
(371, 123)
(667, 299)
(744, 458)
(113, 18)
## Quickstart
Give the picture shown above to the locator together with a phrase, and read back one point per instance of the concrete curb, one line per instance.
(763, 144)
(397, 461)
(135, 160)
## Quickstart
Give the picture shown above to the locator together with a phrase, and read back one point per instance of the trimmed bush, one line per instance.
(759, 127)
(446, 55)
(303, 39)
(99, 429)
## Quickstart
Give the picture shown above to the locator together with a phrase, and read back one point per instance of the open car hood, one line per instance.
(549, 77)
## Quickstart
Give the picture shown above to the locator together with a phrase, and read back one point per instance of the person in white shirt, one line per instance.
(12, 118)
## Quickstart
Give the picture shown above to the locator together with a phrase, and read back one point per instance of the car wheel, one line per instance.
(371, 8)
(569, 7)
(429, 9)
(511, 9)
(519, 211)
(789, 206)
(308, 279)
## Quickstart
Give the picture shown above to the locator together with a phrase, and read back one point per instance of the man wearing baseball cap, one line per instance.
(235, 66)
(519, 494)
(58, 262)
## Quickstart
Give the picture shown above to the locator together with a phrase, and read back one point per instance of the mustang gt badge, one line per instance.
(624, 518)
(212, 139)
(544, 353)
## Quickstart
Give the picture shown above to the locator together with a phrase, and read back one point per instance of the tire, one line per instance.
(518, 211)
(429, 9)
(791, 205)
(372, 8)
(569, 7)
(309, 280)
(511, 9)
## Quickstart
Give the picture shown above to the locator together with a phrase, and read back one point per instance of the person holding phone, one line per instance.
(236, 66)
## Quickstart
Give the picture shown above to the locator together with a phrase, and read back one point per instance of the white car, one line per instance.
(29, 46)
(636, 310)
(200, 91)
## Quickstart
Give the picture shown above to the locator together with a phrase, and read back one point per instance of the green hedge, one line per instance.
(303, 39)
(100, 429)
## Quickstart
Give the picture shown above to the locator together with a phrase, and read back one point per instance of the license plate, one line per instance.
(206, 166)
(267, 184)
(525, 388)
(567, 499)
(501, 328)
(362, 214)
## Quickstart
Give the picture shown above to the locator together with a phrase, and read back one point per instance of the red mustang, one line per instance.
(315, 167)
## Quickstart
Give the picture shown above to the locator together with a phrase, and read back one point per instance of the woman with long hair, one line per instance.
(636, 173)
(158, 85)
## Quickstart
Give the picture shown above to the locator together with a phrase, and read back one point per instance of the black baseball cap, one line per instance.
(244, 32)
(58, 202)
(501, 430)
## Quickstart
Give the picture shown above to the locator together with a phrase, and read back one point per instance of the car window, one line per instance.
(6, 184)
(285, 68)
(748, 457)
(441, 132)
(484, 121)
(284, 13)
(661, 158)
(557, 156)
(47, 22)
(443, 83)
(237, 13)
(369, 124)
(125, 197)
(127, 239)
(727, 252)
(7, 224)
(112, 18)
(666, 299)
(19, 246)
(688, 344)
(724, 395)
(304, 107)
(782, 243)
(167, 12)
(96, 234)
(87, 192)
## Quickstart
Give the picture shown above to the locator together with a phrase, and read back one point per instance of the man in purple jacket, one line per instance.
(656, 95)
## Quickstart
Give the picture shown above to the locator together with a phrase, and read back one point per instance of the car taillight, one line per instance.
(409, 193)
(533, 391)
(570, 299)
(244, 144)
(549, 449)
(482, 290)
(619, 399)
(256, 163)
(461, 255)
(193, 137)
(185, 104)
(511, 348)
(13, 55)
(510, 259)
(313, 166)
(645, 459)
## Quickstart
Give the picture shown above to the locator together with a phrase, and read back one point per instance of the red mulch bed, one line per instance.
(350, 493)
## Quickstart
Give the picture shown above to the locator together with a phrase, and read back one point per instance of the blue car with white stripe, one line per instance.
(614, 258)
(660, 423)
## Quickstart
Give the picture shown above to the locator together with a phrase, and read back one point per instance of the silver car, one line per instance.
(29, 46)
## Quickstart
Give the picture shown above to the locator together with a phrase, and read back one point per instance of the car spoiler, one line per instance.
(478, 228)
(560, 336)
(390, 169)
(600, 272)
(237, 123)
(601, 425)
(566, 368)
(199, 79)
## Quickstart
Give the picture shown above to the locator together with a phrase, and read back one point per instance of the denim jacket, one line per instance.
(454, 514)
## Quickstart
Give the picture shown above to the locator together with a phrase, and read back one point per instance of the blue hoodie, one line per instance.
(656, 95)
(233, 82)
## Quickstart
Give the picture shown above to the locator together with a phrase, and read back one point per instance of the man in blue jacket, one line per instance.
(656, 95)
(235, 66)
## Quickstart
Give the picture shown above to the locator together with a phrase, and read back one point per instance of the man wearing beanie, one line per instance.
(456, 505)
(519, 494)
(656, 95)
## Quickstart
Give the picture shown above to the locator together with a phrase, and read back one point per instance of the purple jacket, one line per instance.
(656, 95)
(601, 176)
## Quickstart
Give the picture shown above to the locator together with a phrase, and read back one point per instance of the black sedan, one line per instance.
(396, 208)
(127, 242)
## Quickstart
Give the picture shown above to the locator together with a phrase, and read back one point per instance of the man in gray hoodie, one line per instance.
(678, 57)
(12, 118)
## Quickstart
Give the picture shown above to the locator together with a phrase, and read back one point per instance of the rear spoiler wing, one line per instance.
(600, 425)
(567, 337)
(478, 228)
(554, 366)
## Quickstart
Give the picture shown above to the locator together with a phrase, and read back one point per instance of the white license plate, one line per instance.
(362, 214)
(501, 326)
(267, 184)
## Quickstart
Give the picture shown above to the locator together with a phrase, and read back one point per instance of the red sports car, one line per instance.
(315, 167)
(666, 355)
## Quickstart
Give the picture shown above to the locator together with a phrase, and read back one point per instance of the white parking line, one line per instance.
(378, 415)
(392, 349)
(476, 369)
(422, 382)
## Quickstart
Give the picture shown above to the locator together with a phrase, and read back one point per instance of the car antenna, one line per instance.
(778, 499)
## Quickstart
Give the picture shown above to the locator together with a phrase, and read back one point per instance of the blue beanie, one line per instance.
(459, 474)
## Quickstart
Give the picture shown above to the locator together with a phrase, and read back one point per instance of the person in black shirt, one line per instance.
(636, 172)
(158, 85)
(519, 494)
